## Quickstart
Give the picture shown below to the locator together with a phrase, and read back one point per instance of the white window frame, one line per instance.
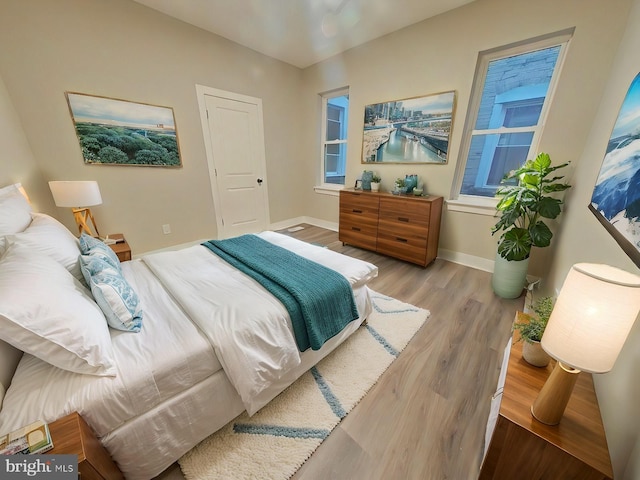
(323, 187)
(486, 205)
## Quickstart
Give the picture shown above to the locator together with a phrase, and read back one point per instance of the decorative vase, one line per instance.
(533, 353)
(509, 277)
(367, 176)
(411, 182)
(375, 186)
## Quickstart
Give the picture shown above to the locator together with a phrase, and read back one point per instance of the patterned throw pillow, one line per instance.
(113, 294)
(96, 247)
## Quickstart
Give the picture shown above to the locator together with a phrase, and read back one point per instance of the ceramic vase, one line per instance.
(534, 354)
(366, 180)
(411, 182)
(509, 277)
(375, 187)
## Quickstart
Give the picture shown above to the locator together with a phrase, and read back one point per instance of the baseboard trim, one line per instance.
(467, 260)
(310, 220)
(449, 255)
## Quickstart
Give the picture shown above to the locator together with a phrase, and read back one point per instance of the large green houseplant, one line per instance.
(526, 198)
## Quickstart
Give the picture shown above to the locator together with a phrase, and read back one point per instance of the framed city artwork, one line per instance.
(409, 130)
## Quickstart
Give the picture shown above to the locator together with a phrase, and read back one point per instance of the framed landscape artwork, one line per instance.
(409, 130)
(616, 196)
(119, 132)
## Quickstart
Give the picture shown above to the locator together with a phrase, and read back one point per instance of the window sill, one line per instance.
(333, 190)
(476, 205)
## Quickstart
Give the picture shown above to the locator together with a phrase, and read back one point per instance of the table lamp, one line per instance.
(588, 326)
(78, 195)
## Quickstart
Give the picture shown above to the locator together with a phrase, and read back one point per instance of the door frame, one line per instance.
(201, 92)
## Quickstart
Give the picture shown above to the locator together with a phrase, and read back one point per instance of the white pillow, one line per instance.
(46, 312)
(48, 236)
(15, 211)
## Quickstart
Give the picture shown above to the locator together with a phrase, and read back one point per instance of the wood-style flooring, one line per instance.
(426, 416)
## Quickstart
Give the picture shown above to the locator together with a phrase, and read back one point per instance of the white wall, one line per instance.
(583, 239)
(121, 49)
(440, 54)
(18, 164)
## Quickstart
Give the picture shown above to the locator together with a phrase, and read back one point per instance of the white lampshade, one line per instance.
(592, 317)
(75, 193)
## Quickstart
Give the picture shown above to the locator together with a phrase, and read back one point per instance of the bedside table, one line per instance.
(72, 435)
(524, 448)
(122, 249)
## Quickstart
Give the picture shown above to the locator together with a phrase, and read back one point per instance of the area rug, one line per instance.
(279, 438)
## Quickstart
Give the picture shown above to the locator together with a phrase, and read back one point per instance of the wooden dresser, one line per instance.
(401, 226)
(521, 447)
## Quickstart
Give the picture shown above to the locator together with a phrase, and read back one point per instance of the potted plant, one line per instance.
(375, 182)
(531, 332)
(525, 199)
(400, 186)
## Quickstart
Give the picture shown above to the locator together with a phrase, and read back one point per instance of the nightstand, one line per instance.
(122, 249)
(524, 448)
(72, 435)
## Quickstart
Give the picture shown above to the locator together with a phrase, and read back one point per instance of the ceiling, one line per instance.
(302, 32)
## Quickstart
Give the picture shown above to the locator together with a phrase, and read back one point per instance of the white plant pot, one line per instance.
(534, 354)
(375, 187)
(509, 277)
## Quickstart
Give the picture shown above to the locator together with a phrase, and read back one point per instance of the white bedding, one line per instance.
(249, 328)
(167, 356)
(170, 391)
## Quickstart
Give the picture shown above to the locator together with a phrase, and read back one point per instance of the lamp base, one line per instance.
(81, 215)
(552, 400)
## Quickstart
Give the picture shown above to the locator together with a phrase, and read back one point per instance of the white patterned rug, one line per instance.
(279, 438)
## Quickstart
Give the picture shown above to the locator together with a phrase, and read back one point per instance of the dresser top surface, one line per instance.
(428, 198)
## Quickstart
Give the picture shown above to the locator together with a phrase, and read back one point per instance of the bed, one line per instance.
(204, 343)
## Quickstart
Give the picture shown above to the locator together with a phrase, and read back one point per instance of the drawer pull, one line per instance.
(403, 240)
(403, 219)
(356, 211)
(357, 229)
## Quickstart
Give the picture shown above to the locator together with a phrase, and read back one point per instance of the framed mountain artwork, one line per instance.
(616, 196)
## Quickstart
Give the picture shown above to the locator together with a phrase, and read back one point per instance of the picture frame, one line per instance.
(112, 131)
(615, 200)
(409, 130)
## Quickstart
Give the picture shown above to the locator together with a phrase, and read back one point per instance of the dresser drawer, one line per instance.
(354, 236)
(407, 243)
(404, 211)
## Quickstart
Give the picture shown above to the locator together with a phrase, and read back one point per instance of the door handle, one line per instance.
(259, 181)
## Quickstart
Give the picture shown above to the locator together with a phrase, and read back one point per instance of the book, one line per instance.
(32, 439)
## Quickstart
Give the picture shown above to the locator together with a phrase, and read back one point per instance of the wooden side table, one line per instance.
(524, 448)
(72, 435)
(121, 249)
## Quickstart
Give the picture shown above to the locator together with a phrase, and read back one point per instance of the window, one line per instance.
(335, 119)
(511, 95)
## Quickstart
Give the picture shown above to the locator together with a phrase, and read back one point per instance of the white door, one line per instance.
(234, 136)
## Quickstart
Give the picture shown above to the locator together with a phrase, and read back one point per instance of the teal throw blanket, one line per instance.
(319, 300)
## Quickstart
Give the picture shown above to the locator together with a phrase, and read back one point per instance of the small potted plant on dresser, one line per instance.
(531, 329)
(375, 182)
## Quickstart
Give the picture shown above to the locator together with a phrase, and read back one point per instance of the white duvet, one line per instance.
(249, 329)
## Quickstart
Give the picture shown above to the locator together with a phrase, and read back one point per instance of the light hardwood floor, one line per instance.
(426, 416)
